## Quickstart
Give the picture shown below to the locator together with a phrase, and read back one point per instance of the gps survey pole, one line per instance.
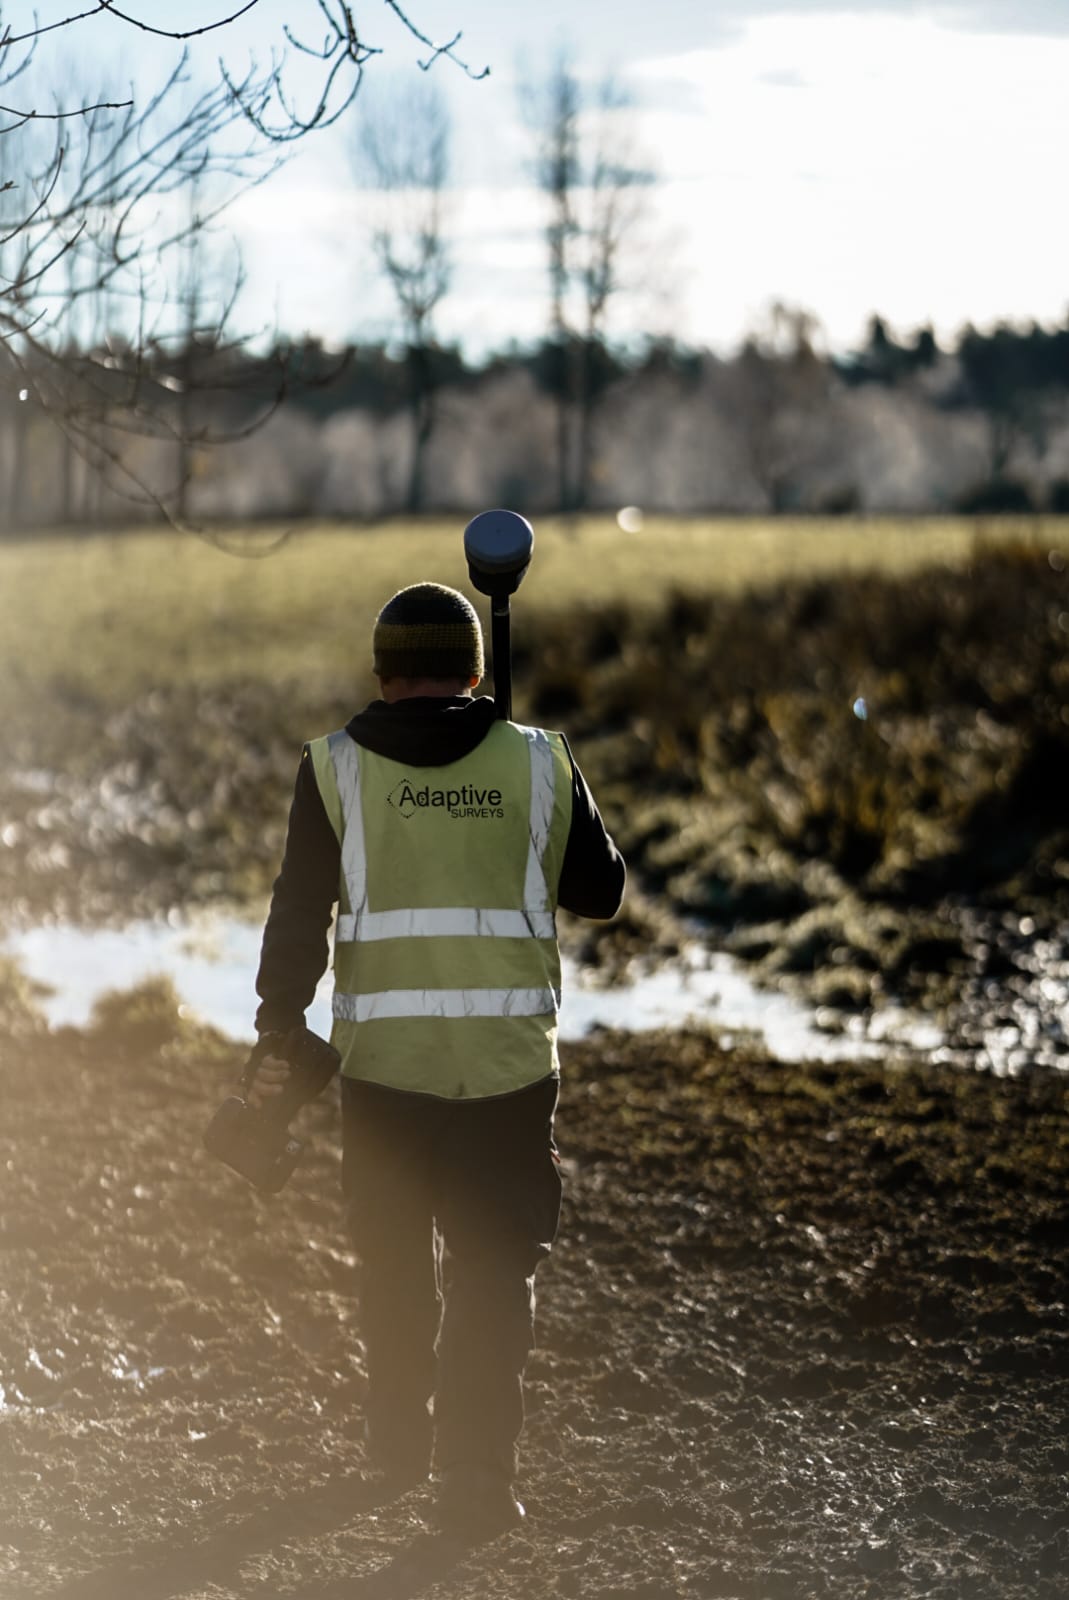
(498, 547)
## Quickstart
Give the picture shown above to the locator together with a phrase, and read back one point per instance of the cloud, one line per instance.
(784, 78)
(672, 93)
(915, 172)
(1050, 17)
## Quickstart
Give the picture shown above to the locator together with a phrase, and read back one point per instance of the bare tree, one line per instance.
(403, 148)
(323, 31)
(596, 192)
(190, 363)
(91, 214)
(615, 209)
(96, 216)
(557, 173)
(777, 390)
(342, 55)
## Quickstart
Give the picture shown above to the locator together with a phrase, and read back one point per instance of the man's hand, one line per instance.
(270, 1078)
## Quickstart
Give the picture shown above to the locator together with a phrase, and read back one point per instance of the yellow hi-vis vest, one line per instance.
(446, 966)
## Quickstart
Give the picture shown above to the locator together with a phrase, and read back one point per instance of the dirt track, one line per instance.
(801, 1337)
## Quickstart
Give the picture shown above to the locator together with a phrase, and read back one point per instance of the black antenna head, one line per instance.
(498, 545)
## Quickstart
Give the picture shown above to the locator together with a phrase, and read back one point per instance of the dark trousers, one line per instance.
(451, 1206)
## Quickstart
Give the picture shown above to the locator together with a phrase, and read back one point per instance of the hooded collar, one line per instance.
(425, 731)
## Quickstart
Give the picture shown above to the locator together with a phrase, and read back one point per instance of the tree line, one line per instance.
(779, 426)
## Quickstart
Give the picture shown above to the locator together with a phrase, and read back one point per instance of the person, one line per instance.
(448, 838)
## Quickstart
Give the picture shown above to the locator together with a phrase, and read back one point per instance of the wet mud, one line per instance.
(803, 1335)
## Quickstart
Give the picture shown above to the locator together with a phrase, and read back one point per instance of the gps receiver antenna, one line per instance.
(498, 545)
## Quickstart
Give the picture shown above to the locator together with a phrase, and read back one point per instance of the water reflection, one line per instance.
(212, 961)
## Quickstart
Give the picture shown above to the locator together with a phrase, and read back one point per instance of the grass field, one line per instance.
(105, 617)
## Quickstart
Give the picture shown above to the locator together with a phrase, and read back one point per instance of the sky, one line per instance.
(903, 157)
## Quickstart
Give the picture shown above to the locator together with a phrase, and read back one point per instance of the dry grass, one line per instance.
(109, 616)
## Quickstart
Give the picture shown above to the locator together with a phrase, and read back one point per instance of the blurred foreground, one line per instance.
(802, 1335)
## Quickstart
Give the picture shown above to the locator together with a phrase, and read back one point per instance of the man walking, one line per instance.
(448, 839)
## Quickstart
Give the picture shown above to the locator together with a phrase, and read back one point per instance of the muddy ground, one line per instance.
(804, 1334)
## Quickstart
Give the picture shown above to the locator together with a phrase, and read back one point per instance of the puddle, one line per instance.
(212, 961)
(714, 989)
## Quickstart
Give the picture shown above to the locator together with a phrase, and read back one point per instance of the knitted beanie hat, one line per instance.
(428, 631)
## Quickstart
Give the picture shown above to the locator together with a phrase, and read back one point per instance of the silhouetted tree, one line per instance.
(776, 388)
(596, 192)
(1000, 376)
(403, 149)
(924, 351)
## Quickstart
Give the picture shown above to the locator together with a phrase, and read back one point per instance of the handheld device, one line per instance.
(257, 1143)
(498, 547)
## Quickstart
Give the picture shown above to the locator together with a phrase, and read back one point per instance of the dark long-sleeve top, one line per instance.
(426, 732)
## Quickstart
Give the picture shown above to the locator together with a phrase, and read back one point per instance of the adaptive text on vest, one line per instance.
(466, 801)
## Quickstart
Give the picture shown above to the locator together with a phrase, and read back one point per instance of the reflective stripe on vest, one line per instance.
(446, 1003)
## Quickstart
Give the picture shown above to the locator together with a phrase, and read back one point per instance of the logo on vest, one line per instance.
(466, 801)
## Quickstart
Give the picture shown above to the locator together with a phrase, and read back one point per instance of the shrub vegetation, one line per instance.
(815, 738)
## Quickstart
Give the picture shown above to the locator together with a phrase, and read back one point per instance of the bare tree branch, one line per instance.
(436, 49)
(275, 116)
(403, 148)
(92, 320)
(341, 49)
(22, 117)
(95, 230)
(8, 38)
(595, 192)
(174, 33)
(263, 98)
